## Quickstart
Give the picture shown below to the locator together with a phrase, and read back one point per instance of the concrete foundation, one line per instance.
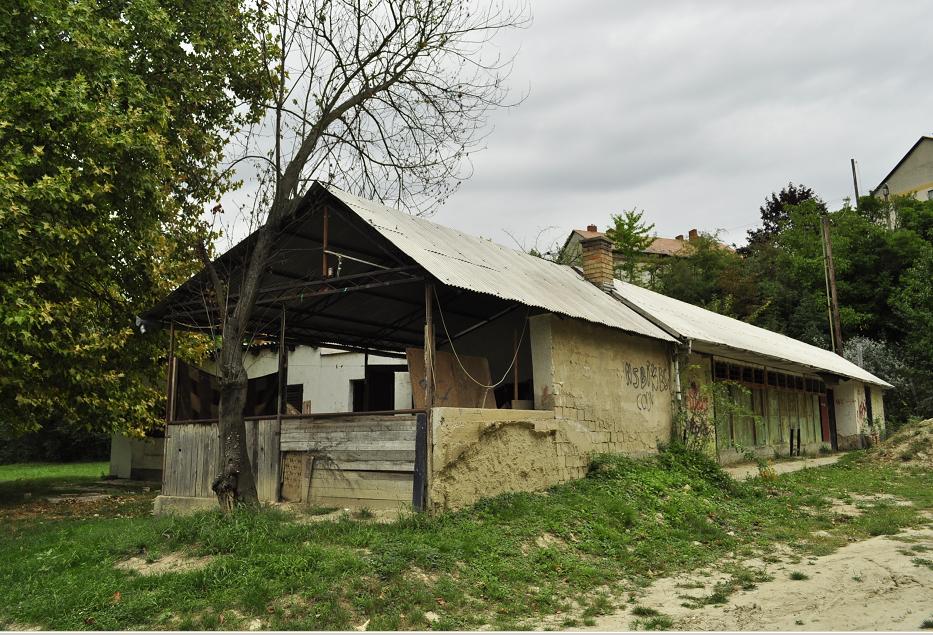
(479, 453)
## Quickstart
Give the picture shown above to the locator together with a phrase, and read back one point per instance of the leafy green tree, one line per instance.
(113, 118)
(630, 236)
(709, 275)
(774, 215)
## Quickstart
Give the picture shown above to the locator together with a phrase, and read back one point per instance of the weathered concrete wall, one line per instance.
(478, 453)
(877, 405)
(852, 424)
(134, 458)
(617, 386)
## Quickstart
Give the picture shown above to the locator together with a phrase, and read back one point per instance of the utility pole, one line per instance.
(830, 271)
(855, 182)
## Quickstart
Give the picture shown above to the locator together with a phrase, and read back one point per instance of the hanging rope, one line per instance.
(460, 363)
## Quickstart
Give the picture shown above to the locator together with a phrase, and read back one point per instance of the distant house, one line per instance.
(658, 251)
(913, 174)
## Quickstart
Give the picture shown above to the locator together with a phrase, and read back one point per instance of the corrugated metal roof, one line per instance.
(702, 325)
(480, 265)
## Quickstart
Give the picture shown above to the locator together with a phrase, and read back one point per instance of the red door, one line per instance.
(824, 418)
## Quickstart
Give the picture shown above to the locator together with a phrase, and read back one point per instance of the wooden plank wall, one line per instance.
(350, 461)
(192, 452)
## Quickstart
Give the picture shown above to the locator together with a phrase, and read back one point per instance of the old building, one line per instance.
(520, 369)
(912, 175)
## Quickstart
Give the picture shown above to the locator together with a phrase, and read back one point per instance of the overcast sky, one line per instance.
(695, 111)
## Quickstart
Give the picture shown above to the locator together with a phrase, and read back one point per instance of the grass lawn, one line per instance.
(53, 471)
(505, 562)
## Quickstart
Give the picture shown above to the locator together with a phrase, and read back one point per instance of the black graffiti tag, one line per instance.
(647, 379)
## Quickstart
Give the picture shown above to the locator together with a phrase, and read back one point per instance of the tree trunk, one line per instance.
(234, 483)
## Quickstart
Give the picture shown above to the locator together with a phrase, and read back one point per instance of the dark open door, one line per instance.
(831, 407)
(824, 419)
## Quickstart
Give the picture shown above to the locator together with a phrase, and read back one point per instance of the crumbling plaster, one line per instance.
(619, 387)
(477, 453)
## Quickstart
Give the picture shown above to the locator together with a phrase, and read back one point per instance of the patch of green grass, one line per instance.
(925, 624)
(478, 566)
(923, 562)
(654, 623)
(741, 578)
(644, 611)
(799, 575)
(40, 471)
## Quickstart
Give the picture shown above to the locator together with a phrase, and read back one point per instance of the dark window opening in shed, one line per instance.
(294, 395)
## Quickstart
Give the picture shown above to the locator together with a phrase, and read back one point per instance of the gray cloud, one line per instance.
(695, 111)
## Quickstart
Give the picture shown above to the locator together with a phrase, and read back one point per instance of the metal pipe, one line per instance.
(170, 377)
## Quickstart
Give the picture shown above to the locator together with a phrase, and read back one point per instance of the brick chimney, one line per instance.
(693, 235)
(591, 228)
(597, 261)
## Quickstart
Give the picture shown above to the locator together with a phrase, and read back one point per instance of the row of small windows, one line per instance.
(752, 376)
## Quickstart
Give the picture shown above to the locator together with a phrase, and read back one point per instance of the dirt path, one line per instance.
(885, 583)
(748, 470)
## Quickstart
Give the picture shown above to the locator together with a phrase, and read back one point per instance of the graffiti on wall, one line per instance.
(646, 379)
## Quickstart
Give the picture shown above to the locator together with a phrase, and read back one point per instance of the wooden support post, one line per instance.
(366, 382)
(282, 370)
(419, 489)
(429, 344)
(324, 249)
(170, 377)
(515, 367)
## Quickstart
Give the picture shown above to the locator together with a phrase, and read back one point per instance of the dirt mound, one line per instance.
(912, 445)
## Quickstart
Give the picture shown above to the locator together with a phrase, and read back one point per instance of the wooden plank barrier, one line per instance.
(354, 462)
(192, 455)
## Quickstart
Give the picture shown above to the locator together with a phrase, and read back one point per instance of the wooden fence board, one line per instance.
(366, 461)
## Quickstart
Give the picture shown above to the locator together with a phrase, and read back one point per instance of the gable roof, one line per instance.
(901, 162)
(481, 265)
(699, 324)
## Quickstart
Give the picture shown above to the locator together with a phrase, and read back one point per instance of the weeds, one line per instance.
(631, 519)
(799, 575)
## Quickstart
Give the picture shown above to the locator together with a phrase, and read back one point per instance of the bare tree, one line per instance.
(385, 98)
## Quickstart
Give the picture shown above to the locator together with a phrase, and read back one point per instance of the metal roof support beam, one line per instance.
(481, 324)
(313, 284)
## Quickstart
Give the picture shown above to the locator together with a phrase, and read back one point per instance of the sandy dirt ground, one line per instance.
(881, 584)
(744, 471)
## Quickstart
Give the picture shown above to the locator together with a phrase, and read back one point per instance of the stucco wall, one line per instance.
(619, 387)
(477, 453)
(852, 413)
(915, 174)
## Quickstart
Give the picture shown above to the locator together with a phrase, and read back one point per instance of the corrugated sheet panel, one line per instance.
(706, 326)
(480, 265)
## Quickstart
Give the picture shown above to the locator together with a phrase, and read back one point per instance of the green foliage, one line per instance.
(778, 282)
(113, 118)
(630, 236)
(711, 276)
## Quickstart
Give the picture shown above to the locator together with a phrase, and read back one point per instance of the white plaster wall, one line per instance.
(877, 404)
(849, 396)
(916, 174)
(324, 373)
